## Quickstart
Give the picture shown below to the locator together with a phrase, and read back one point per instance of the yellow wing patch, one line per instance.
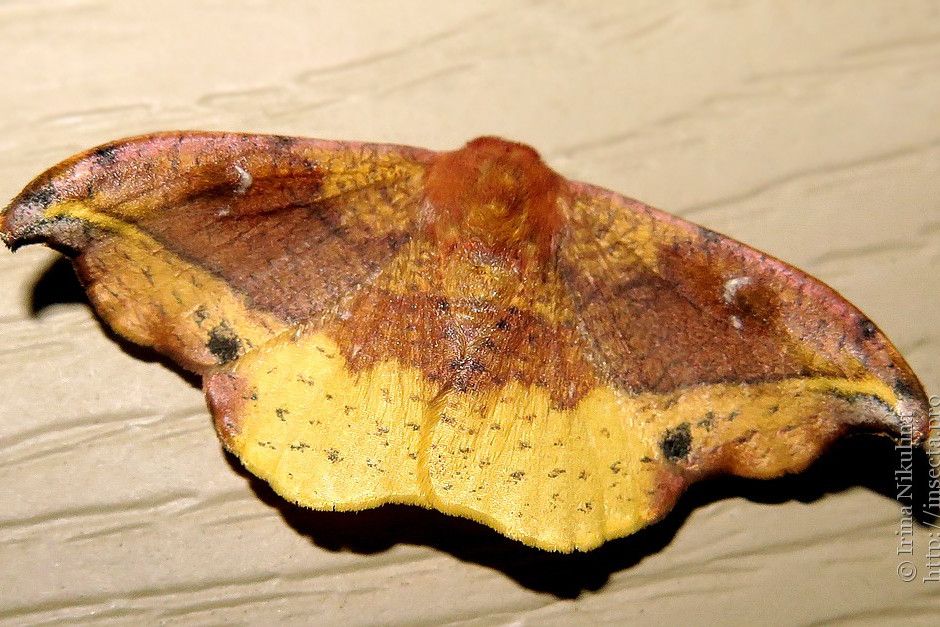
(556, 479)
(321, 437)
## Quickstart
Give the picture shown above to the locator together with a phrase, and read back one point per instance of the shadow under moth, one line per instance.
(466, 331)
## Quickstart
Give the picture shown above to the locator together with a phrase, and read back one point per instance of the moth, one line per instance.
(466, 331)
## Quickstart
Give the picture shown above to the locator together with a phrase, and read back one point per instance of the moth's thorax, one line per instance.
(496, 199)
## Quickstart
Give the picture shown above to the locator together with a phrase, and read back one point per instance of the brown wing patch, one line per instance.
(464, 344)
(268, 256)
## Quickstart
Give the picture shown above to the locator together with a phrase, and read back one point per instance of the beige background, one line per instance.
(808, 129)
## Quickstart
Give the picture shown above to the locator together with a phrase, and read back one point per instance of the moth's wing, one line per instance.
(321, 434)
(334, 415)
(204, 245)
(724, 359)
(230, 254)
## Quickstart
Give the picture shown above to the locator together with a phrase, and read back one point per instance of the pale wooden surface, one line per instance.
(809, 129)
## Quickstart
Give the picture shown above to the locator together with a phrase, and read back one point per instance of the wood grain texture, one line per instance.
(805, 129)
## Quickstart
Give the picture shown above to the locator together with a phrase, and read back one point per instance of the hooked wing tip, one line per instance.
(913, 412)
(27, 220)
(22, 219)
(908, 416)
(41, 212)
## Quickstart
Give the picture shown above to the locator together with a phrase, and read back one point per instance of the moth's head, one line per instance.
(495, 196)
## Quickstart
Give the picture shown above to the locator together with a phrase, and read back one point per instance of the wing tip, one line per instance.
(22, 222)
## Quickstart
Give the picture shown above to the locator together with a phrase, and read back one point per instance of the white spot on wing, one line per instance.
(244, 180)
(730, 293)
(732, 286)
